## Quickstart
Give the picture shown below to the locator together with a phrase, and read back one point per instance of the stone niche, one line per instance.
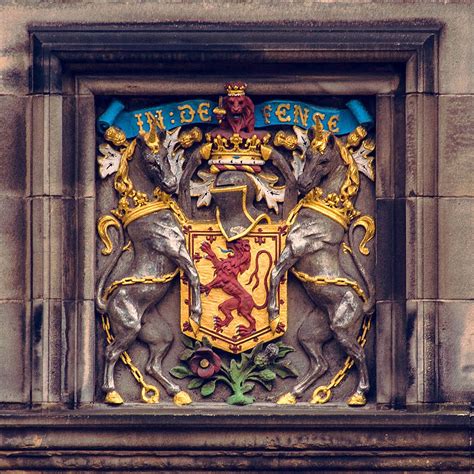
(392, 71)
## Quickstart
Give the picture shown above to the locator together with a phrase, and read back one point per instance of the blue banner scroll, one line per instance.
(274, 112)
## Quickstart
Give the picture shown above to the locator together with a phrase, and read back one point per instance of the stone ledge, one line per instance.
(200, 438)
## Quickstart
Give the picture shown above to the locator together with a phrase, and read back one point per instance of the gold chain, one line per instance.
(324, 280)
(126, 359)
(178, 212)
(134, 280)
(290, 220)
(322, 394)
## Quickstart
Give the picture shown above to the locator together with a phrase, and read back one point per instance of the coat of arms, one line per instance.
(235, 199)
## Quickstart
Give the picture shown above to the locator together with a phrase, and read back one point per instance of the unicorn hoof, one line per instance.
(287, 399)
(182, 398)
(357, 400)
(113, 398)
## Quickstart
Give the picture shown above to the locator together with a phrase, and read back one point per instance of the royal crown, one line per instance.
(237, 153)
(235, 88)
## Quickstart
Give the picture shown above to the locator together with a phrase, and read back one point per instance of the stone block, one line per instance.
(421, 248)
(456, 144)
(422, 351)
(13, 248)
(86, 260)
(456, 241)
(13, 137)
(420, 144)
(87, 352)
(54, 247)
(52, 146)
(391, 364)
(456, 351)
(86, 146)
(14, 353)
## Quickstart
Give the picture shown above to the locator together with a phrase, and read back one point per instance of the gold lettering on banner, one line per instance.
(301, 114)
(186, 114)
(318, 116)
(332, 123)
(203, 111)
(266, 113)
(281, 112)
(159, 119)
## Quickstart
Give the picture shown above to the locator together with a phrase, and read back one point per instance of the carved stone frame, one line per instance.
(397, 63)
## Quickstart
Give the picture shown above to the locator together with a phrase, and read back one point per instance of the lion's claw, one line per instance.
(244, 331)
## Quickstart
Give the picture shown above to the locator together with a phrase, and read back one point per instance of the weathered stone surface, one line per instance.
(456, 145)
(455, 59)
(13, 138)
(54, 251)
(421, 248)
(13, 248)
(422, 351)
(64, 356)
(53, 139)
(14, 353)
(420, 144)
(456, 351)
(456, 259)
(288, 439)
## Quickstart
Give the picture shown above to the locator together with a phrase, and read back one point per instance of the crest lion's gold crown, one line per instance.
(235, 89)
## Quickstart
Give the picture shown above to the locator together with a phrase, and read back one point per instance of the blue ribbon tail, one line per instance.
(107, 119)
(361, 114)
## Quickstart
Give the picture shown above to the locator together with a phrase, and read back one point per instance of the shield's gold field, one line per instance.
(268, 238)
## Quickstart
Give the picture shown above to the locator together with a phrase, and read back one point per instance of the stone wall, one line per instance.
(443, 296)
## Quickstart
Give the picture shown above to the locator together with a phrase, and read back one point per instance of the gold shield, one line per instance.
(235, 278)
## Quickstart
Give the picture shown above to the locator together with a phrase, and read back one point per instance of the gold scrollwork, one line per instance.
(102, 228)
(368, 224)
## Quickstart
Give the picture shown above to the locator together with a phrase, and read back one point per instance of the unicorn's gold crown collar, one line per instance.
(332, 206)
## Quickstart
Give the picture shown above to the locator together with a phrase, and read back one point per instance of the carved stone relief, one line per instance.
(235, 250)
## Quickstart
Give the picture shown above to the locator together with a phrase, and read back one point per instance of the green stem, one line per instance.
(225, 380)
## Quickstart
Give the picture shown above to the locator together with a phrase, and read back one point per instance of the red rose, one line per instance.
(205, 362)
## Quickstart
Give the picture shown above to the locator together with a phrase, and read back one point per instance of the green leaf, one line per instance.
(244, 361)
(188, 342)
(266, 375)
(234, 370)
(267, 385)
(195, 383)
(248, 387)
(283, 349)
(208, 388)
(285, 369)
(186, 354)
(180, 372)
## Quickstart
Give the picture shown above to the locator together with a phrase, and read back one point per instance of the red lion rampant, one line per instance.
(226, 271)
